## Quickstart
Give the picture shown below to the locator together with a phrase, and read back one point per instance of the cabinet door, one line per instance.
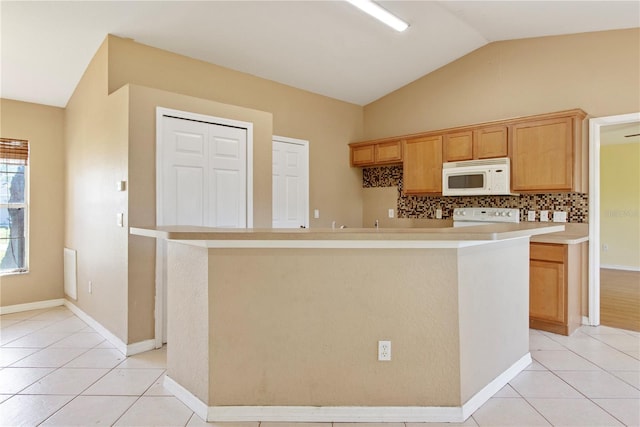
(389, 152)
(422, 165)
(542, 155)
(458, 146)
(363, 155)
(490, 142)
(546, 291)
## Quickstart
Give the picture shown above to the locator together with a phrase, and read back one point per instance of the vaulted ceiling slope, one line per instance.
(326, 47)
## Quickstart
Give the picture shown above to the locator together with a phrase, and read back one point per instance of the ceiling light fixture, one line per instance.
(380, 14)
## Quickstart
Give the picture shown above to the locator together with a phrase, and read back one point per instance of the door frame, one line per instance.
(161, 245)
(305, 144)
(595, 126)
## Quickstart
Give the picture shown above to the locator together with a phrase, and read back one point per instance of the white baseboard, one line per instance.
(481, 397)
(96, 326)
(127, 350)
(619, 267)
(186, 397)
(346, 413)
(31, 306)
(140, 347)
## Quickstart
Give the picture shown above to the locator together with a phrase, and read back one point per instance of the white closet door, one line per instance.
(184, 169)
(290, 184)
(227, 177)
(204, 174)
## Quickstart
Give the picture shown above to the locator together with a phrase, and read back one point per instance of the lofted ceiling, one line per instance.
(326, 47)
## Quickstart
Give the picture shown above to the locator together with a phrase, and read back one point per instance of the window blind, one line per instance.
(14, 151)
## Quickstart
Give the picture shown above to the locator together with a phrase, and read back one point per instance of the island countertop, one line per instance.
(365, 237)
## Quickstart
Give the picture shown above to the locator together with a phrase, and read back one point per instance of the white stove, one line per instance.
(463, 217)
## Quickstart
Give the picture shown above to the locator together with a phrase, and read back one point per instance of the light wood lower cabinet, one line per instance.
(556, 273)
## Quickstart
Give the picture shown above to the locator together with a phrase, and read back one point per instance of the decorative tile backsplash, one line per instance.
(575, 204)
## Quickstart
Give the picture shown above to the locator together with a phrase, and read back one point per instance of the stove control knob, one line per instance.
(504, 214)
(497, 213)
(463, 213)
(510, 214)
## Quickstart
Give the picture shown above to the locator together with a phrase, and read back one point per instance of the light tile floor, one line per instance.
(57, 371)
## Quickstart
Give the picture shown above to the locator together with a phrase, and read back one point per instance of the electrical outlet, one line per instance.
(544, 216)
(559, 216)
(438, 213)
(531, 216)
(316, 213)
(605, 247)
(384, 350)
(391, 213)
(90, 287)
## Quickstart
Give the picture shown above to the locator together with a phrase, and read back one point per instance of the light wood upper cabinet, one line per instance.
(548, 152)
(457, 146)
(376, 154)
(389, 152)
(484, 143)
(422, 165)
(362, 155)
(490, 142)
(547, 155)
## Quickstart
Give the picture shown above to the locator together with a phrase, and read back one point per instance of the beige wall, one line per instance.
(597, 72)
(43, 127)
(620, 205)
(327, 123)
(96, 158)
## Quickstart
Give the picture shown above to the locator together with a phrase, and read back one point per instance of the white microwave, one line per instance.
(477, 177)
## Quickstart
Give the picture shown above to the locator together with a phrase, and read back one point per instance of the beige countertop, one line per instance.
(573, 234)
(348, 237)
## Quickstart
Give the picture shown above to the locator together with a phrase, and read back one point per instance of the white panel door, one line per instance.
(290, 184)
(204, 174)
(184, 168)
(227, 177)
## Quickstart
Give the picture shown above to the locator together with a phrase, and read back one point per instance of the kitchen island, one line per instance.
(283, 325)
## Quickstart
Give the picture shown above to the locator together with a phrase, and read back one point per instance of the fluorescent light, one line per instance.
(380, 14)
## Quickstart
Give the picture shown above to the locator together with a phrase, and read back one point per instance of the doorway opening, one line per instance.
(596, 126)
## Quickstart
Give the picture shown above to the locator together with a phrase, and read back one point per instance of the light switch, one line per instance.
(316, 213)
(121, 185)
(438, 213)
(531, 216)
(120, 219)
(391, 214)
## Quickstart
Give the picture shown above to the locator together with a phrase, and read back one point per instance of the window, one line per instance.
(14, 158)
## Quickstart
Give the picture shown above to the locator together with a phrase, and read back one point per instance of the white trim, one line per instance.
(140, 347)
(338, 244)
(127, 350)
(159, 312)
(620, 267)
(96, 326)
(305, 144)
(481, 397)
(186, 397)
(595, 126)
(17, 308)
(347, 413)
